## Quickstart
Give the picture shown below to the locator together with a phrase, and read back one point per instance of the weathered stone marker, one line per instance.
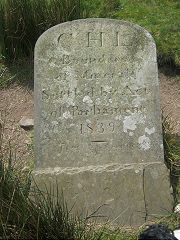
(98, 120)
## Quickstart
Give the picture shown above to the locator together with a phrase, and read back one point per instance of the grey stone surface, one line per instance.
(98, 119)
(127, 194)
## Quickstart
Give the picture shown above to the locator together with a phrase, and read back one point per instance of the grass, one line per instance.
(23, 21)
(20, 72)
(161, 18)
(172, 156)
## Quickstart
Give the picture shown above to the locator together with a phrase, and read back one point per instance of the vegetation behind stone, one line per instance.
(23, 21)
(161, 18)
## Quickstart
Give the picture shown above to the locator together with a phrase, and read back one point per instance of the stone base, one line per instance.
(129, 195)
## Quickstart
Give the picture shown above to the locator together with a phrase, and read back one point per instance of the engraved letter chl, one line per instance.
(95, 39)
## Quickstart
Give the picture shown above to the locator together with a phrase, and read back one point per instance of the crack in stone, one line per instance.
(145, 203)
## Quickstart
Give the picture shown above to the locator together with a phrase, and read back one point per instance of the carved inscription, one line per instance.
(89, 75)
(70, 59)
(65, 39)
(98, 145)
(116, 39)
(97, 127)
(92, 92)
(95, 39)
(93, 75)
(64, 112)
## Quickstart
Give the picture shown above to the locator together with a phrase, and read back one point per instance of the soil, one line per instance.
(18, 101)
(15, 102)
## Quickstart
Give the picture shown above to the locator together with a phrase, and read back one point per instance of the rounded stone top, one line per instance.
(96, 22)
